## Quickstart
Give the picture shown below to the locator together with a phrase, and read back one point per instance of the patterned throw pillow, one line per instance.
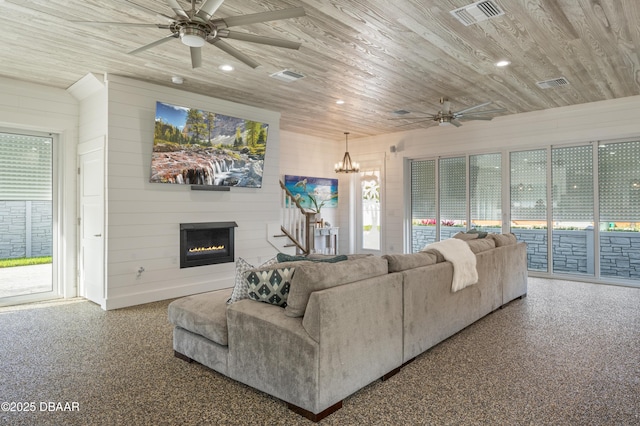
(240, 289)
(270, 285)
(481, 234)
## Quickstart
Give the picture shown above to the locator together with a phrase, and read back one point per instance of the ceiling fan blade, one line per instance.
(256, 18)
(224, 46)
(472, 108)
(208, 8)
(123, 24)
(252, 38)
(155, 43)
(410, 118)
(427, 117)
(489, 111)
(455, 122)
(416, 122)
(146, 9)
(177, 9)
(473, 117)
(196, 57)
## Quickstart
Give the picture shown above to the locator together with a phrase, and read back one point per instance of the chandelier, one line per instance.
(346, 165)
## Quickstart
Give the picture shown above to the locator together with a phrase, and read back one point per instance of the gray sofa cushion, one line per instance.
(319, 276)
(355, 256)
(503, 239)
(466, 236)
(401, 262)
(204, 314)
(481, 245)
(439, 257)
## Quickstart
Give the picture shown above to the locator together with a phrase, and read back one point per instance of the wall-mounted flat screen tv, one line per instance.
(196, 147)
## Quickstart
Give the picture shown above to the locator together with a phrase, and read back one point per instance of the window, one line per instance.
(619, 193)
(572, 210)
(577, 207)
(423, 204)
(528, 188)
(453, 196)
(440, 199)
(485, 191)
(25, 167)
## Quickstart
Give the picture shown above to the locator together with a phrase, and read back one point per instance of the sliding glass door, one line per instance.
(451, 195)
(577, 206)
(452, 198)
(528, 194)
(423, 204)
(26, 217)
(485, 192)
(572, 210)
(619, 195)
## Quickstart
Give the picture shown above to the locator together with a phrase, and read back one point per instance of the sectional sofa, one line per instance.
(345, 324)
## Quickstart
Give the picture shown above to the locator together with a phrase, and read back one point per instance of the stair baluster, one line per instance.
(297, 222)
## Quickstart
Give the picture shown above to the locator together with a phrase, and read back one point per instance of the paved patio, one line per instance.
(23, 280)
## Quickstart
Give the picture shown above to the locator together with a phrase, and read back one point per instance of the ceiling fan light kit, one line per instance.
(193, 36)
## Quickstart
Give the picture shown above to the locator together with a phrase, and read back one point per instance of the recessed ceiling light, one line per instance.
(226, 67)
(176, 79)
(503, 63)
(340, 102)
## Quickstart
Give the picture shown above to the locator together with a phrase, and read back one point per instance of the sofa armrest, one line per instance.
(272, 352)
(358, 327)
(357, 339)
(514, 282)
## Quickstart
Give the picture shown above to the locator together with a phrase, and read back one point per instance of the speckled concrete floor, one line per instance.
(568, 354)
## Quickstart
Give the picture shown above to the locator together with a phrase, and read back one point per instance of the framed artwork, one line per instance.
(313, 193)
(196, 147)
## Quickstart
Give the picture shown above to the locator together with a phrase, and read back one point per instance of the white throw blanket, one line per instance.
(464, 261)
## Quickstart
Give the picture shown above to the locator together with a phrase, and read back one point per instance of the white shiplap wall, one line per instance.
(143, 218)
(33, 107)
(302, 155)
(606, 120)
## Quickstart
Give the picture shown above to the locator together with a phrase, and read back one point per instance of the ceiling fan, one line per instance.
(446, 117)
(196, 26)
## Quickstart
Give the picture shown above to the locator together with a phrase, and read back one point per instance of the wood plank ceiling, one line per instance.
(378, 56)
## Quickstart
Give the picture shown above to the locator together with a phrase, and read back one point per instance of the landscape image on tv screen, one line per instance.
(196, 147)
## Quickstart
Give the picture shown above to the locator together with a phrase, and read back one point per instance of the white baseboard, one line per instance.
(158, 295)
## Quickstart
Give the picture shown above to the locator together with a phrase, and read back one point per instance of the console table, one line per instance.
(326, 240)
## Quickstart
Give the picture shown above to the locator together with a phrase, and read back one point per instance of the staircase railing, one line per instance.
(297, 222)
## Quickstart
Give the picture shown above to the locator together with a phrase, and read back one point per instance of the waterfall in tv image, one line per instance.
(196, 147)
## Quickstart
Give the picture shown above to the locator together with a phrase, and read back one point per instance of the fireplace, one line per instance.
(206, 243)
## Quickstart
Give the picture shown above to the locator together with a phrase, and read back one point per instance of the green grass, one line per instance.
(24, 261)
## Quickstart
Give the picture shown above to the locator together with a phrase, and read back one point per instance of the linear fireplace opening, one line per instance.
(206, 243)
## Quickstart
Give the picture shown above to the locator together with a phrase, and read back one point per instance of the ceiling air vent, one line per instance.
(400, 112)
(554, 82)
(287, 76)
(477, 12)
